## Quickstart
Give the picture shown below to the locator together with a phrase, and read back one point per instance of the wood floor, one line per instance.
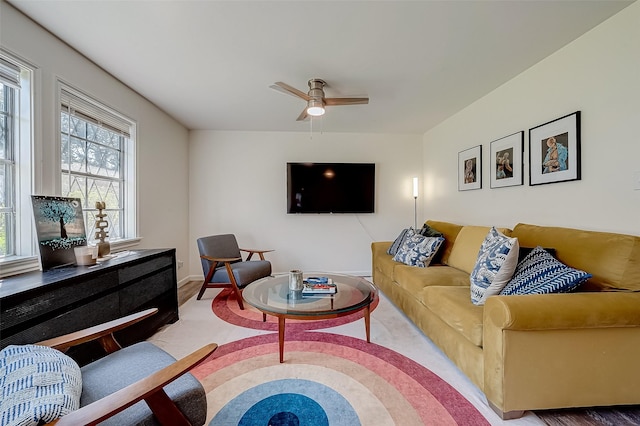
(186, 291)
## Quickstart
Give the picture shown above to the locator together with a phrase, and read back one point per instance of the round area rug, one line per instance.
(225, 306)
(326, 379)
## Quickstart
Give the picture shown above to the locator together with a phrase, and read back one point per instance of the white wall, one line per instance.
(238, 185)
(598, 74)
(162, 142)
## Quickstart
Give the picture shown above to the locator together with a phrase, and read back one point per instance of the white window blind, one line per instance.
(75, 105)
(9, 74)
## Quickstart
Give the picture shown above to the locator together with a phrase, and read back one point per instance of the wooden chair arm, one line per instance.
(148, 389)
(104, 332)
(220, 259)
(254, 251)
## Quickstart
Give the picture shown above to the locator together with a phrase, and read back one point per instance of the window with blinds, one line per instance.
(95, 143)
(9, 89)
(17, 248)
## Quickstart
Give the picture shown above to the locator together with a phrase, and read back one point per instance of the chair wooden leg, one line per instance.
(202, 289)
(234, 284)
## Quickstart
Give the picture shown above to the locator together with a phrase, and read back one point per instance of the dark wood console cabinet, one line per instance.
(41, 305)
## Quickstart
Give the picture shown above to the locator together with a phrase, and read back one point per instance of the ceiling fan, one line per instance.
(315, 99)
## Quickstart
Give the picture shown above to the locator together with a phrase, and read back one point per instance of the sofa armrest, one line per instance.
(380, 247)
(563, 311)
(561, 350)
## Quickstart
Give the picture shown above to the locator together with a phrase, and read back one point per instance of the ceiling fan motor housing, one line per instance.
(316, 91)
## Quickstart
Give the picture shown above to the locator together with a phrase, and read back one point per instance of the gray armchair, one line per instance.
(116, 387)
(223, 266)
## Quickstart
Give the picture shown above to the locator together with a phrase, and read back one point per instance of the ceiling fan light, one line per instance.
(315, 108)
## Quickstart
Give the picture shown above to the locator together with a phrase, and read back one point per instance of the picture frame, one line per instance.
(554, 151)
(60, 228)
(506, 160)
(470, 169)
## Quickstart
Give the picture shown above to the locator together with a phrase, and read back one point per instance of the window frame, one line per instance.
(130, 236)
(24, 257)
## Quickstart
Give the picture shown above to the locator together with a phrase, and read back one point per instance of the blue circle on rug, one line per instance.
(285, 409)
(287, 401)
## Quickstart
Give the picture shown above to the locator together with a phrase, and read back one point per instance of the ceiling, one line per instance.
(210, 63)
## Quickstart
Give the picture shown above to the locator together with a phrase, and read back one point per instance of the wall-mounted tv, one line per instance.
(331, 187)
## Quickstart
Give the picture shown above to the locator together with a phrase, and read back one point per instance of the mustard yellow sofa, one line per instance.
(530, 352)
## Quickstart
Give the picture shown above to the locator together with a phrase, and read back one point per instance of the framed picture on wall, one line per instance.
(554, 150)
(470, 169)
(506, 161)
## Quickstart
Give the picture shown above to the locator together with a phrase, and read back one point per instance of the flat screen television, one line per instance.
(331, 187)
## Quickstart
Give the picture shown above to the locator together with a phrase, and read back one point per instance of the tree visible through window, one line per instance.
(93, 153)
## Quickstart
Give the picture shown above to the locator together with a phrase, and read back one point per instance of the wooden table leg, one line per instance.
(281, 337)
(367, 322)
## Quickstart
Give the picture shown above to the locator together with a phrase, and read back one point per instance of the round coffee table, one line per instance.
(272, 296)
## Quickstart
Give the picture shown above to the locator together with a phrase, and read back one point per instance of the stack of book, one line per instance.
(318, 286)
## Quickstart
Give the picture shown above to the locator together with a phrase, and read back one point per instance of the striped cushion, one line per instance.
(397, 243)
(541, 273)
(37, 383)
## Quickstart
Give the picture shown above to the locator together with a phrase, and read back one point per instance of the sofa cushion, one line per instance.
(418, 250)
(397, 243)
(37, 383)
(452, 305)
(450, 232)
(428, 231)
(465, 249)
(541, 273)
(497, 260)
(415, 279)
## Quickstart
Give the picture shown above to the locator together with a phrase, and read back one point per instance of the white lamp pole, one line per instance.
(415, 203)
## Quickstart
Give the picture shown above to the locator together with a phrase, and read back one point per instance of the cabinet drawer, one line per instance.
(95, 312)
(133, 272)
(146, 289)
(21, 308)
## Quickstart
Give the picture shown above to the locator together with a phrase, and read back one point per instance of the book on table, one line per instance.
(316, 288)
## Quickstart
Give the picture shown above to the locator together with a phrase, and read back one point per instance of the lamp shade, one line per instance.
(315, 108)
(415, 187)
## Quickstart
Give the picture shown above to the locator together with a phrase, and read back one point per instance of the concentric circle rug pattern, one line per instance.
(225, 306)
(326, 379)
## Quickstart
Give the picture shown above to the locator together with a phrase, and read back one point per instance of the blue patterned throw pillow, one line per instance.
(418, 250)
(37, 383)
(497, 260)
(541, 273)
(397, 243)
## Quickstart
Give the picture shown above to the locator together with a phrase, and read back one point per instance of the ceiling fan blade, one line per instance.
(303, 115)
(346, 101)
(285, 88)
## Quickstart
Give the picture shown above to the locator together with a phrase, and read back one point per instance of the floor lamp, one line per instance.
(415, 203)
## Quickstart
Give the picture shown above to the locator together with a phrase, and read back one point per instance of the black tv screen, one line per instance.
(330, 187)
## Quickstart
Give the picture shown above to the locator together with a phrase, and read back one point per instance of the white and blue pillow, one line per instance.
(418, 250)
(497, 260)
(37, 383)
(397, 243)
(541, 273)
